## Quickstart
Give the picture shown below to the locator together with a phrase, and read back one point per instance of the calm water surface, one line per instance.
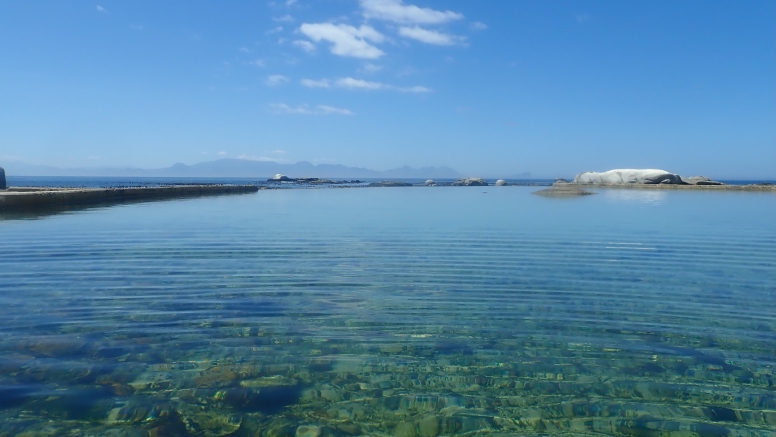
(405, 312)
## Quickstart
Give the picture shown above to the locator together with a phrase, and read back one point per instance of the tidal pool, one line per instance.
(393, 312)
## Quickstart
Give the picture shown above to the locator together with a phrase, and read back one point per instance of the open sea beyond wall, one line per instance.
(393, 311)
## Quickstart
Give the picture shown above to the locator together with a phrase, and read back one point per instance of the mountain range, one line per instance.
(236, 168)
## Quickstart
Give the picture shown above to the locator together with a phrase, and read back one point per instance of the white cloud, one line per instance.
(274, 30)
(222, 153)
(257, 63)
(284, 18)
(101, 9)
(244, 49)
(346, 40)
(429, 36)
(282, 108)
(276, 79)
(398, 12)
(478, 25)
(290, 2)
(280, 152)
(309, 83)
(305, 45)
(350, 83)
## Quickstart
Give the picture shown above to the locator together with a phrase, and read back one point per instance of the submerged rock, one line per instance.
(629, 176)
(308, 431)
(501, 183)
(210, 423)
(470, 182)
(390, 184)
(563, 190)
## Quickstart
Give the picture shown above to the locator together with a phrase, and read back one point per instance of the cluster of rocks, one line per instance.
(315, 181)
(470, 182)
(640, 176)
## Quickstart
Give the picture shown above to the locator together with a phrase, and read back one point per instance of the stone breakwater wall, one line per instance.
(15, 199)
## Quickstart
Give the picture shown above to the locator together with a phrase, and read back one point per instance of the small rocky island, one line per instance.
(658, 179)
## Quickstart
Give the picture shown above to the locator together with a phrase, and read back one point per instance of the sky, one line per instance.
(491, 88)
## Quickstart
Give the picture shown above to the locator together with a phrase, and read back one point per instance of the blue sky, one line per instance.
(488, 88)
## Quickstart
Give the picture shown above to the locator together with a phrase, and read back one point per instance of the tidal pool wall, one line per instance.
(32, 199)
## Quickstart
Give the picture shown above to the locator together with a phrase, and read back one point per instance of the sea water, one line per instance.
(393, 311)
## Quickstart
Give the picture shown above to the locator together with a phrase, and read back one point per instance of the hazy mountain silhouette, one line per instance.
(236, 168)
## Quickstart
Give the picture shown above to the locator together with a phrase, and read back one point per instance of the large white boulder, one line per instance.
(628, 176)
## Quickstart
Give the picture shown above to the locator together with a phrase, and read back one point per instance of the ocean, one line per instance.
(393, 311)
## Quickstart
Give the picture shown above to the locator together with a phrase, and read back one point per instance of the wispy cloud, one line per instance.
(370, 68)
(290, 2)
(478, 25)
(282, 108)
(305, 45)
(257, 63)
(398, 12)
(276, 79)
(284, 19)
(310, 83)
(279, 152)
(257, 158)
(244, 49)
(581, 18)
(346, 40)
(360, 84)
(222, 154)
(274, 30)
(101, 9)
(429, 36)
(415, 89)
(350, 83)
(332, 110)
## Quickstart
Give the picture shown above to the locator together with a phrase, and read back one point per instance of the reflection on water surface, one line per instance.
(392, 312)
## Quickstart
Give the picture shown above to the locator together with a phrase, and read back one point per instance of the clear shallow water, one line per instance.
(421, 311)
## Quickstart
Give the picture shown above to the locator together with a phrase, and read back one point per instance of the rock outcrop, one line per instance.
(280, 178)
(3, 184)
(470, 182)
(501, 183)
(629, 176)
(700, 180)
